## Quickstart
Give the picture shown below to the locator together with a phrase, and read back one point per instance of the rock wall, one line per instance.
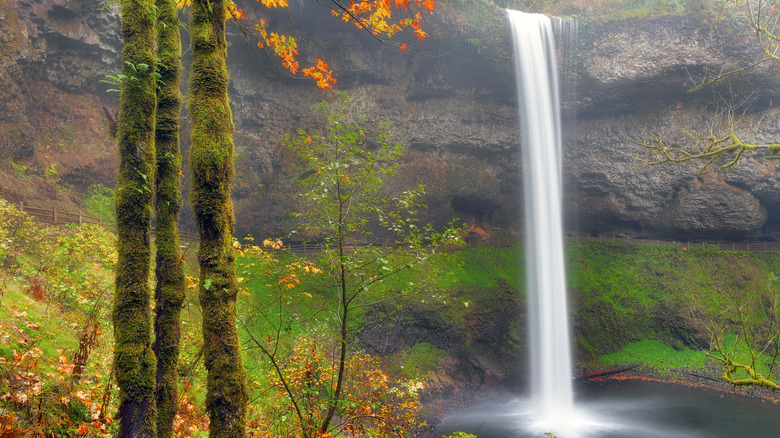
(454, 107)
(451, 100)
(54, 132)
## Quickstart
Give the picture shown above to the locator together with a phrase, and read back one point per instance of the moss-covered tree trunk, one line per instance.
(134, 360)
(211, 160)
(169, 290)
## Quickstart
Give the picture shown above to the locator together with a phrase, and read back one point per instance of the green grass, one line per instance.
(484, 267)
(657, 355)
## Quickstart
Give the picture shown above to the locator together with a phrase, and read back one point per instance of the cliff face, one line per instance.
(625, 82)
(54, 133)
(452, 103)
(634, 82)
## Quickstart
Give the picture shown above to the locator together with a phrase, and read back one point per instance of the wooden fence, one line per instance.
(59, 217)
(54, 216)
(726, 246)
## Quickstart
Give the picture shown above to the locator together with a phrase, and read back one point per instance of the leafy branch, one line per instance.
(752, 358)
(713, 148)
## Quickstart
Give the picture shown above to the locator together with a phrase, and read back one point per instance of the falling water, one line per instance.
(538, 97)
(624, 410)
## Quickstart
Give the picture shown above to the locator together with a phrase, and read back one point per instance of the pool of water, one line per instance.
(626, 409)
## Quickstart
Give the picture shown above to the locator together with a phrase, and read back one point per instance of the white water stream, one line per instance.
(552, 396)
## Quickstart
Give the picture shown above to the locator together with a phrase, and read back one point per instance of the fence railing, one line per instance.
(726, 246)
(59, 217)
(54, 216)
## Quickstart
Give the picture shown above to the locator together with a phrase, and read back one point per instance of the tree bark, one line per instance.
(169, 290)
(211, 160)
(134, 361)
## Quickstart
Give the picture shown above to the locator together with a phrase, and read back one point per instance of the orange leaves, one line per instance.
(376, 16)
(289, 282)
(234, 12)
(321, 74)
(429, 5)
(274, 3)
(283, 46)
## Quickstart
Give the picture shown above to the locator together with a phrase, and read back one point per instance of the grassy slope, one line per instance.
(630, 304)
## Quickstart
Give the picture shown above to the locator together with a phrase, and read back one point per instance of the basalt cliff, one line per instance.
(451, 100)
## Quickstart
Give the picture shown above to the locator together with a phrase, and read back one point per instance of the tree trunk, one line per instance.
(134, 361)
(169, 291)
(211, 160)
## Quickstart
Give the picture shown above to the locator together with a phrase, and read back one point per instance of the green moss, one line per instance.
(211, 161)
(169, 292)
(421, 360)
(134, 361)
(658, 356)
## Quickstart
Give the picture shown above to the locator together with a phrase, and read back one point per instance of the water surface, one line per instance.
(628, 409)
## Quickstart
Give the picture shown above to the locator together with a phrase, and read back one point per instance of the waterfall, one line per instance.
(538, 100)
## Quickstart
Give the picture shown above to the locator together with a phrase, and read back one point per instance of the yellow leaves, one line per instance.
(274, 244)
(192, 282)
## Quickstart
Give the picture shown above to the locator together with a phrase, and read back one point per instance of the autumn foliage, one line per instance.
(375, 16)
(372, 405)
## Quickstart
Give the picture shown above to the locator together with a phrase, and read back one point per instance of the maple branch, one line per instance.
(765, 25)
(360, 23)
(713, 148)
(709, 79)
(279, 372)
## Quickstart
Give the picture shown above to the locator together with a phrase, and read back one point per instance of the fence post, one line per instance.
(54, 211)
(100, 219)
(80, 219)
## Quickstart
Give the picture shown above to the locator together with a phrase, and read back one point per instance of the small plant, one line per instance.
(100, 202)
(51, 171)
(20, 169)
